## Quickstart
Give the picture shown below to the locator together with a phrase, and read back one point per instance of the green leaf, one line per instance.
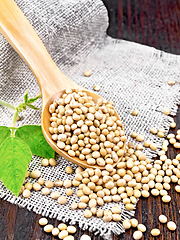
(32, 106)
(33, 136)
(26, 97)
(31, 100)
(14, 158)
(4, 133)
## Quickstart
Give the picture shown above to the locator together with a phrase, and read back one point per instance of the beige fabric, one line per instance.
(132, 75)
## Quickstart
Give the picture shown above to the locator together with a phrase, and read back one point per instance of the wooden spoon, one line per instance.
(23, 38)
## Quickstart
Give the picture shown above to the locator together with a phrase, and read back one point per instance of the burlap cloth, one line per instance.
(131, 75)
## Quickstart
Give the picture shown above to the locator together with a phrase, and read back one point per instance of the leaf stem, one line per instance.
(14, 122)
(7, 105)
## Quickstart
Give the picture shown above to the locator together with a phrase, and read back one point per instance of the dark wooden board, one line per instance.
(150, 22)
(154, 23)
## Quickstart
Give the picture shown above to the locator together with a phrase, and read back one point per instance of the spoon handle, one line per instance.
(23, 38)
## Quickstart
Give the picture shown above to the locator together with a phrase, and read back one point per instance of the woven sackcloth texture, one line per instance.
(131, 75)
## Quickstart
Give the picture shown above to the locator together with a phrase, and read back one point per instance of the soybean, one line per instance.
(43, 221)
(171, 226)
(155, 232)
(162, 218)
(48, 228)
(137, 235)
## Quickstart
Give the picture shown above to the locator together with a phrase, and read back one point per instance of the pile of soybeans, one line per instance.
(94, 133)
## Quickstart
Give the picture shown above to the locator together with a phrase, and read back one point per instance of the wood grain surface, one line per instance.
(150, 22)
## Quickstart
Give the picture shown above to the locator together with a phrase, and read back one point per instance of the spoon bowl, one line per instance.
(23, 38)
(45, 123)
